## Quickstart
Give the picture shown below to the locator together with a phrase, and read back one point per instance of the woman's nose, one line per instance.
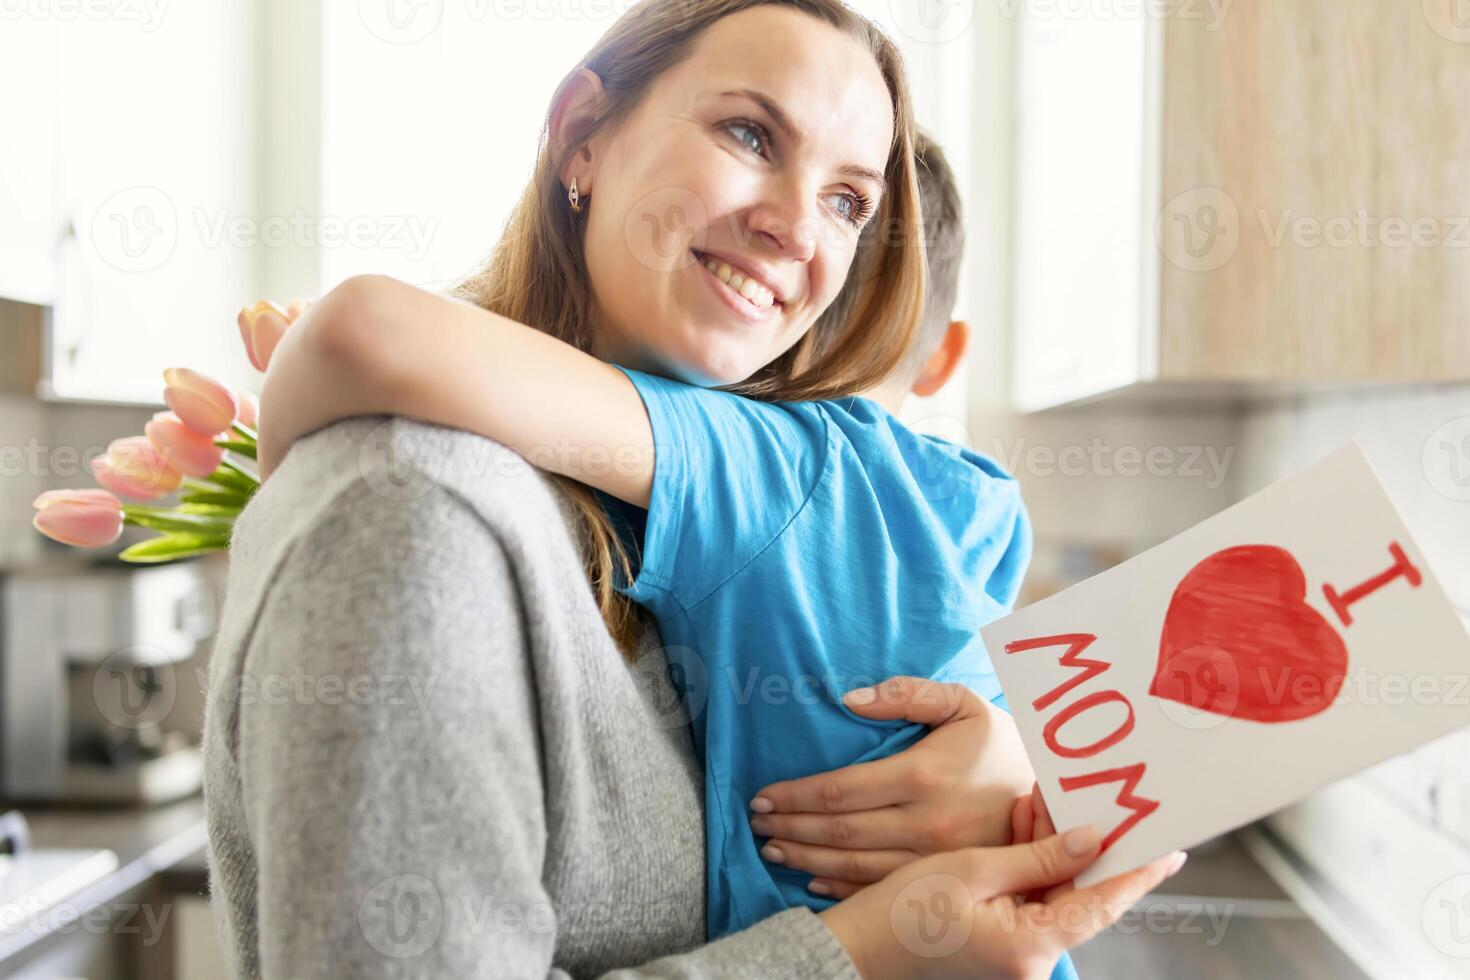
(788, 225)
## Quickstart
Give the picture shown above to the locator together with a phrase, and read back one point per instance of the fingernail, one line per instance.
(761, 826)
(820, 888)
(773, 854)
(860, 695)
(1080, 841)
(1179, 858)
(762, 805)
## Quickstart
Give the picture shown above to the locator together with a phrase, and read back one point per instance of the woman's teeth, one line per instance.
(753, 291)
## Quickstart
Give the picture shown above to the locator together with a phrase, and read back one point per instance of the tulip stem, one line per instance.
(244, 431)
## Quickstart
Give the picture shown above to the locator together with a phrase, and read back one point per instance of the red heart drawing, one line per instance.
(1239, 640)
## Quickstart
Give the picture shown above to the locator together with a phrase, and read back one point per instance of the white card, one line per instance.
(1288, 641)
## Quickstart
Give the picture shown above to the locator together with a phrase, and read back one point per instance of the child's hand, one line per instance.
(263, 325)
(955, 788)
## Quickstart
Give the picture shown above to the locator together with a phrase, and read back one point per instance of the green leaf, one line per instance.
(168, 519)
(209, 510)
(217, 498)
(177, 545)
(244, 431)
(194, 491)
(237, 446)
(230, 476)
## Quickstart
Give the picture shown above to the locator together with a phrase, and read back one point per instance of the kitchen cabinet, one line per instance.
(1232, 197)
(29, 227)
(128, 204)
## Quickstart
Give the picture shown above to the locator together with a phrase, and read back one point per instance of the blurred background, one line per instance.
(1208, 241)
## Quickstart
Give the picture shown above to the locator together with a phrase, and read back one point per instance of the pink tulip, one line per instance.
(121, 485)
(186, 450)
(261, 328)
(248, 413)
(81, 518)
(202, 403)
(135, 458)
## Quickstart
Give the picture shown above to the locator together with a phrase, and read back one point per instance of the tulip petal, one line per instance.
(81, 525)
(184, 449)
(204, 405)
(121, 485)
(85, 495)
(248, 412)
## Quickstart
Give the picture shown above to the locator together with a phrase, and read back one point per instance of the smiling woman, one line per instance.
(706, 208)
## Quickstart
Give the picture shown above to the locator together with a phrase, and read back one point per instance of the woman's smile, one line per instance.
(740, 292)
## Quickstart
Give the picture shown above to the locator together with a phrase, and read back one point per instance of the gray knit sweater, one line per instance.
(425, 757)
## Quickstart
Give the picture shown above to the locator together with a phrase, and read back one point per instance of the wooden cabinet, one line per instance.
(1228, 195)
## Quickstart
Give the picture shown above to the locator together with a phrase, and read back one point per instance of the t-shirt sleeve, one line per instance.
(730, 473)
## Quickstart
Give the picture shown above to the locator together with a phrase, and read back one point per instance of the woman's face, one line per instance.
(724, 212)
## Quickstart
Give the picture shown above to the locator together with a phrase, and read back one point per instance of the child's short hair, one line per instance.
(944, 246)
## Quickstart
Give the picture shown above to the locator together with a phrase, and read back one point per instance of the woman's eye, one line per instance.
(749, 134)
(850, 207)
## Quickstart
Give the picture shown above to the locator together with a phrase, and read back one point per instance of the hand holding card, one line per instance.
(1289, 641)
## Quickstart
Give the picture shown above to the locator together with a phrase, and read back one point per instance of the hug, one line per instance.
(697, 616)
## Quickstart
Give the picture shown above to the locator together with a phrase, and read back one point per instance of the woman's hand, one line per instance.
(959, 915)
(956, 788)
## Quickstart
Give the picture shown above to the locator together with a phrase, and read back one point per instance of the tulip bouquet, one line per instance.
(203, 448)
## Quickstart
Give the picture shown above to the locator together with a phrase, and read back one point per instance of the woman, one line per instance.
(846, 319)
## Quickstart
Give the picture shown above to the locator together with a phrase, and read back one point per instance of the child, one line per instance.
(789, 552)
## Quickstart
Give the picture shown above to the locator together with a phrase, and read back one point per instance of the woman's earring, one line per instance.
(573, 198)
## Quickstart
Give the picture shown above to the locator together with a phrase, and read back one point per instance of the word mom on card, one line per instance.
(1201, 684)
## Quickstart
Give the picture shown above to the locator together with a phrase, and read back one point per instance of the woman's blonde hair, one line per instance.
(537, 274)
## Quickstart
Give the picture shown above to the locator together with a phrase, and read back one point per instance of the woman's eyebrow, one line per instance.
(796, 134)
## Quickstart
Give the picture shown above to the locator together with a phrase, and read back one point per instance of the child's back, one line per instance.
(794, 552)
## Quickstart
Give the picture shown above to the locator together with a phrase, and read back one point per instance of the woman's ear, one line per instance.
(576, 104)
(941, 365)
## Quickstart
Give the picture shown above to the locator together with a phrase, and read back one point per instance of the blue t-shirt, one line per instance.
(792, 552)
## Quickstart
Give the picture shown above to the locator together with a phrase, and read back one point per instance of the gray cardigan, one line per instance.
(425, 757)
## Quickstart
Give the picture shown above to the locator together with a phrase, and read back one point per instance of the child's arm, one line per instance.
(374, 345)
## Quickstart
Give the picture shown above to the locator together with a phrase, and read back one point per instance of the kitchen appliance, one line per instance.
(91, 662)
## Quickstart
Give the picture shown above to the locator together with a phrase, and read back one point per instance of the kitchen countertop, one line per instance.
(160, 853)
(1221, 917)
